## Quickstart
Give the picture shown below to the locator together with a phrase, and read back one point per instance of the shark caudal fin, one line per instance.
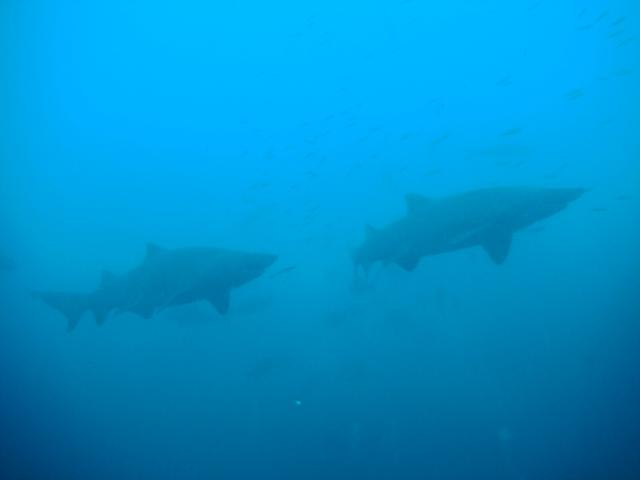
(71, 305)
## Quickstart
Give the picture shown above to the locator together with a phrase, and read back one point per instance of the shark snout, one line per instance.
(572, 194)
(263, 261)
(270, 259)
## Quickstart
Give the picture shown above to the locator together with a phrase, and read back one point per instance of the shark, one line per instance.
(486, 217)
(165, 278)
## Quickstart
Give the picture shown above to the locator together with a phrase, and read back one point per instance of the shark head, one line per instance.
(252, 265)
(537, 204)
(556, 199)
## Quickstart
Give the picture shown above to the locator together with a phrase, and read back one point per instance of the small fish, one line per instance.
(623, 72)
(503, 151)
(504, 81)
(503, 163)
(615, 33)
(511, 131)
(534, 6)
(440, 139)
(283, 271)
(509, 163)
(617, 21)
(601, 17)
(623, 196)
(626, 41)
(259, 185)
(574, 94)
(433, 172)
(263, 368)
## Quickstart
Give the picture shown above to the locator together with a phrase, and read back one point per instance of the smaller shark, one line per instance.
(486, 217)
(165, 278)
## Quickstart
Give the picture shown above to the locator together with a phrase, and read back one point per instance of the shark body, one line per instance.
(486, 217)
(165, 278)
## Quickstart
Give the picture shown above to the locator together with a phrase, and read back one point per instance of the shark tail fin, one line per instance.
(71, 305)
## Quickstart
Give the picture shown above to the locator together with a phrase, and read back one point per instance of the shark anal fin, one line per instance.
(408, 262)
(497, 244)
(100, 315)
(220, 301)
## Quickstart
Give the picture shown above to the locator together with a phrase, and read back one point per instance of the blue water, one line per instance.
(285, 127)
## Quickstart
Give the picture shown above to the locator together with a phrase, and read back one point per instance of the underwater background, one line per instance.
(286, 127)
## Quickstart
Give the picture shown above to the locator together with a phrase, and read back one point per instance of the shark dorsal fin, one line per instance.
(417, 204)
(107, 278)
(153, 250)
(370, 231)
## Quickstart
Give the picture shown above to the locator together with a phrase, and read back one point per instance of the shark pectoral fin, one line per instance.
(408, 262)
(220, 301)
(497, 245)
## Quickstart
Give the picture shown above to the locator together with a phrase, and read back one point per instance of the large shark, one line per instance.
(486, 217)
(165, 278)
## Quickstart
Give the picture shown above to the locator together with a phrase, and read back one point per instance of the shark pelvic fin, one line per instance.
(417, 204)
(153, 250)
(497, 244)
(220, 301)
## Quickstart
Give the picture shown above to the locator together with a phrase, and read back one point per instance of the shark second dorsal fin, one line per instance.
(153, 250)
(370, 231)
(107, 278)
(417, 204)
